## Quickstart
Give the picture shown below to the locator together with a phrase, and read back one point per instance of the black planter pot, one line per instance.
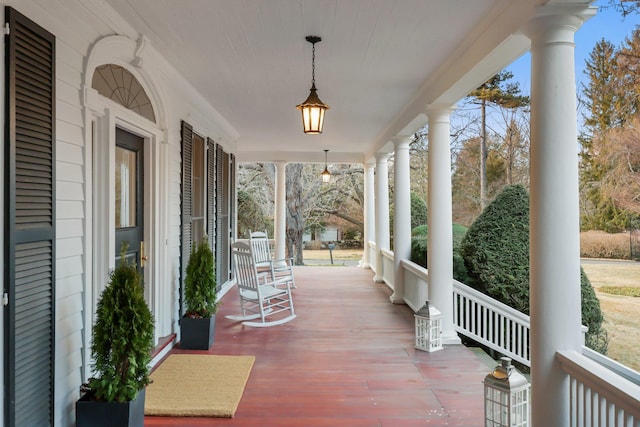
(197, 334)
(94, 413)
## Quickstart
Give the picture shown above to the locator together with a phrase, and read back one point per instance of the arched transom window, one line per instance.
(119, 85)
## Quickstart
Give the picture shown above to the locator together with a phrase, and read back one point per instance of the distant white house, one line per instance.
(330, 233)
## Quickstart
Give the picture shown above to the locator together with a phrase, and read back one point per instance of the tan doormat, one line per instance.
(195, 385)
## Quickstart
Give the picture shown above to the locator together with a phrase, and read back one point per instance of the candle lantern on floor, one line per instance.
(506, 397)
(428, 328)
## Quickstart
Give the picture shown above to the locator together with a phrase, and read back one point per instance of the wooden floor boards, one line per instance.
(346, 360)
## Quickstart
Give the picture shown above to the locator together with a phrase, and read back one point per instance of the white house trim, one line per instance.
(102, 116)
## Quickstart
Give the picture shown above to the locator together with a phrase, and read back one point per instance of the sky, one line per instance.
(607, 24)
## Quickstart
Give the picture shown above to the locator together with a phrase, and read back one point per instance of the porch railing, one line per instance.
(598, 396)
(416, 279)
(475, 314)
(371, 247)
(388, 269)
(603, 392)
(491, 323)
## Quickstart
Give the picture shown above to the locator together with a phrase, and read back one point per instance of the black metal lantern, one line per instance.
(312, 108)
(326, 175)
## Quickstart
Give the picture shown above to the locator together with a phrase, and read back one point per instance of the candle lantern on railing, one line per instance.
(428, 328)
(506, 397)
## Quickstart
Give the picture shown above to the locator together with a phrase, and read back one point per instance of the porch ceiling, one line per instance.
(379, 64)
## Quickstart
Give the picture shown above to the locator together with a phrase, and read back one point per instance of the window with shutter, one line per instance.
(30, 222)
(198, 186)
(222, 215)
(211, 194)
(216, 204)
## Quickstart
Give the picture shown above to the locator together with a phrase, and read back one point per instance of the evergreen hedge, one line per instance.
(419, 237)
(496, 256)
(592, 318)
(418, 212)
(496, 249)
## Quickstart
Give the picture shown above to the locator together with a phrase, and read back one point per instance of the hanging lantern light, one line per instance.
(326, 175)
(312, 108)
(506, 397)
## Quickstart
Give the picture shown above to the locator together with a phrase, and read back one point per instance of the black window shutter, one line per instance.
(232, 197)
(222, 215)
(185, 196)
(29, 222)
(211, 194)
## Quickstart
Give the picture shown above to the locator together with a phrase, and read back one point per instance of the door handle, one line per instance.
(143, 255)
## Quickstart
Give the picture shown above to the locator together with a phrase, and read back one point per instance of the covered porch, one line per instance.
(347, 360)
(223, 79)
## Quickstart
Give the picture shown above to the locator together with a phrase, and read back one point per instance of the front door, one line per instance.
(129, 196)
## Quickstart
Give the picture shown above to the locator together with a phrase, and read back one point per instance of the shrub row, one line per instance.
(599, 244)
(627, 291)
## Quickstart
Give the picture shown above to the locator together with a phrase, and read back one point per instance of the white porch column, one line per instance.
(382, 210)
(369, 211)
(440, 218)
(280, 212)
(554, 222)
(401, 214)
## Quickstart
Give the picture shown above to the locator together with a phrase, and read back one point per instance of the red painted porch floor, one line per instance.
(346, 360)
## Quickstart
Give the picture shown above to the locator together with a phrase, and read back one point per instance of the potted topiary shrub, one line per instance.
(122, 340)
(197, 326)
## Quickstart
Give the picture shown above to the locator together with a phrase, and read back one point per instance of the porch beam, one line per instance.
(440, 237)
(382, 211)
(554, 221)
(401, 214)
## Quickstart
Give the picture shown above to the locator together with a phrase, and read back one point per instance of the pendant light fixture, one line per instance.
(326, 175)
(312, 108)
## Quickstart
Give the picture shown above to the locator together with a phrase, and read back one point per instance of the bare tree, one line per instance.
(621, 183)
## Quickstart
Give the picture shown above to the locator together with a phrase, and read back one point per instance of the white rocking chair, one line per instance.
(260, 296)
(279, 268)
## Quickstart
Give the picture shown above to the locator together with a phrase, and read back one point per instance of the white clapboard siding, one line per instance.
(69, 63)
(68, 374)
(69, 113)
(70, 134)
(68, 286)
(68, 172)
(67, 88)
(69, 266)
(69, 228)
(69, 209)
(69, 190)
(66, 248)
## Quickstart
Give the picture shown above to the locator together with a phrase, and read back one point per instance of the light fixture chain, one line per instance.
(313, 64)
